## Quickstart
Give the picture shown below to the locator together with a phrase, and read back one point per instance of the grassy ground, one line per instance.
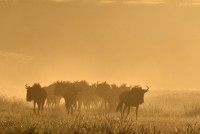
(163, 112)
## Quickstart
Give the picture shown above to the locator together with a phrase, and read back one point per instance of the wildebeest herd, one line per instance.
(80, 95)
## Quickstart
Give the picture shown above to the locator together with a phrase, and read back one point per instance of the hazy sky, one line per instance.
(153, 42)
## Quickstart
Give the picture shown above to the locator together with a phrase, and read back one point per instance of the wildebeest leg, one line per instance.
(128, 112)
(42, 106)
(67, 107)
(125, 107)
(54, 103)
(105, 104)
(75, 106)
(72, 109)
(137, 112)
(39, 106)
(121, 111)
(47, 103)
(34, 107)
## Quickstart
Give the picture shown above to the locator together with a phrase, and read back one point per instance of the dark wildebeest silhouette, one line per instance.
(132, 98)
(52, 99)
(105, 91)
(38, 95)
(71, 100)
(69, 92)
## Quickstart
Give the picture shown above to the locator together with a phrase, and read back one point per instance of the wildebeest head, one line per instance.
(29, 93)
(138, 93)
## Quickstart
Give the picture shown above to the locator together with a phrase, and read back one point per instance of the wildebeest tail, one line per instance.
(119, 106)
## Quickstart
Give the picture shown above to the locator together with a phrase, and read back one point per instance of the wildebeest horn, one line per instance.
(147, 88)
(97, 83)
(27, 86)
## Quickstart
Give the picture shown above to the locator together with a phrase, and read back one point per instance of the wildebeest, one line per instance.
(38, 95)
(71, 100)
(52, 99)
(69, 92)
(132, 98)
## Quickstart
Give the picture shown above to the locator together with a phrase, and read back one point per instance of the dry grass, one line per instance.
(169, 112)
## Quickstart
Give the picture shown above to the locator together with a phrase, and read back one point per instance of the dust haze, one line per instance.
(143, 43)
(99, 66)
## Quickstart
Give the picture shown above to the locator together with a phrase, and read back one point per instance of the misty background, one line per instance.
(147, 43)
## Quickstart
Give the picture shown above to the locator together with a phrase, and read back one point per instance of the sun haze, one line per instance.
(153, 43)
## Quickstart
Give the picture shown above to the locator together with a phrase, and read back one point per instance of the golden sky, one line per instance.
(153, 42)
